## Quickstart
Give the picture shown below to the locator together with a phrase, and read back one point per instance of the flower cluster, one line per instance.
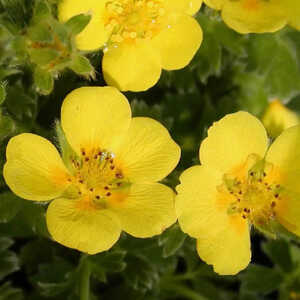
(104, 179)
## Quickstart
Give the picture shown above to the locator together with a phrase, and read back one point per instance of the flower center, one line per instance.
(96, 179)
(128, 20)
(253, 191)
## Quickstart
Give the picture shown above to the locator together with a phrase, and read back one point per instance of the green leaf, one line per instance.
(9, 261)
(5, 243)
(21, 103)
(273, 58)
(8, 292)
(43, 80)
(55, 278)
(279, 252)
(10, 205)
(139, 273)
(250, 92)
(82, 66)
(108, 262)
(7, 127)
(171, 240)
(41, 10)
(43, 56)
(77, 23)
(2, 92)
(40, 33)
(261, 279)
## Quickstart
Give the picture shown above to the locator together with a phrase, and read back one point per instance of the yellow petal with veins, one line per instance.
(94, 117)
(148, 152)
(132, 66)
(94, 34)
(203, 214)
(175, 46)
(227, 144)
(34, 169)
(85, 229)
(147, 211)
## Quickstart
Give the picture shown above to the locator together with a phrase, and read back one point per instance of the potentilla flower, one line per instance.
(139, 37)
(105, 181)
(278, 117)
(258, 16)
(239, 183)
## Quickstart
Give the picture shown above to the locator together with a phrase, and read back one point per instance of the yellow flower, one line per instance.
(240, 183)
(107, 183)
(258, 16)
(139, 37)
(277, 118)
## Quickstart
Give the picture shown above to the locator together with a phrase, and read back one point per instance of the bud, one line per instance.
(277, 118)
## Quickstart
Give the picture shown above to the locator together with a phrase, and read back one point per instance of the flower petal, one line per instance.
(183, 6)
(284, 154)
(201, 214)
(147, 211)
(95, 117)
(148, 152)
(228, 252)
(34, 169)
(132, 66)
(175, 46)
(247, 16)
(293, 11)
(87, 230)
(215, 4)
(94, 34)
(231, 140)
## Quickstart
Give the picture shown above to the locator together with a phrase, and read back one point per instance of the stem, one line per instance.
(85, 273)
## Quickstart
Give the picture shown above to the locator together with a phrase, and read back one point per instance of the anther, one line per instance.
(273, 204)
(106, 188)
(112, 167)
(108, 194)
(81, 181)
(276, 195)
(97, 197)
(87, 159)
(91, 189)
(264, 174)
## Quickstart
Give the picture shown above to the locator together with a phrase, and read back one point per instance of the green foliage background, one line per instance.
(39, 66)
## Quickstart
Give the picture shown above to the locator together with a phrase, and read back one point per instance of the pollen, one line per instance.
(253, 192)
(128, 20)
(97, 178)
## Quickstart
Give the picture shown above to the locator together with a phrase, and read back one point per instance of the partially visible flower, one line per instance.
(277, 118)
(139, 37)
(258, 16)
(239, 183)
(106, 181)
